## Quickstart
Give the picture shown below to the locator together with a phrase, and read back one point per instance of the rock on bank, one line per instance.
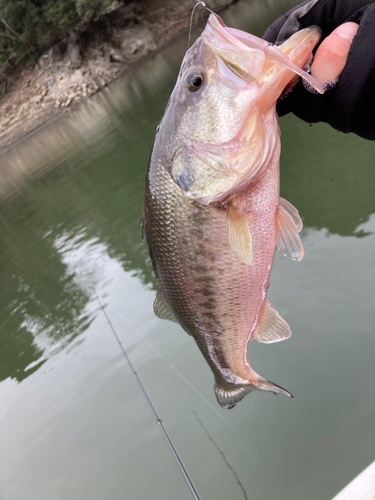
(87, 58)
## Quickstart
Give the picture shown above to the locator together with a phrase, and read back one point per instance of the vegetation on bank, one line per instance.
(29, 26)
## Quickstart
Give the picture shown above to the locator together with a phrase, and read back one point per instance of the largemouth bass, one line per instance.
(213, 215)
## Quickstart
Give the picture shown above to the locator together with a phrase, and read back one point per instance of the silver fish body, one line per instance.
(211, 209)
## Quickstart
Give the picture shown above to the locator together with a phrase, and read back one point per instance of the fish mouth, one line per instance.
(244, 60)
(245, 54)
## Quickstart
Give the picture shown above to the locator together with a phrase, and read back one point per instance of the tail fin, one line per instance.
(228, 397)
(266, 385)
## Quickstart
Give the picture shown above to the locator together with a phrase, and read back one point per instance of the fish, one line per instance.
(213, 215)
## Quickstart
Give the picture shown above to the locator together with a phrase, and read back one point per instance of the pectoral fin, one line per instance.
(288, 225)
(239, 235)
(273, 328)
(162, 309)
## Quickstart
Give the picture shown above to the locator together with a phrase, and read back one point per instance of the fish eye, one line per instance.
(194, 81)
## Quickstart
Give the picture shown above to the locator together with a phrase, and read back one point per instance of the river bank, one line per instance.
(88, 59)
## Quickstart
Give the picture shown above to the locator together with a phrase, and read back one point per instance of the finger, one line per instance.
(332, 54)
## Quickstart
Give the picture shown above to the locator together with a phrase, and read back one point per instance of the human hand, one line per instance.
(347, 51)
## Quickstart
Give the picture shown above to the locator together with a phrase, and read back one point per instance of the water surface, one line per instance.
(74, 423)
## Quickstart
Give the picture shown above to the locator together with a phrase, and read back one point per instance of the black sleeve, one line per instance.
(350, 106)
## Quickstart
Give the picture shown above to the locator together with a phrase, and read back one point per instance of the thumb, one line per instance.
(332, 54)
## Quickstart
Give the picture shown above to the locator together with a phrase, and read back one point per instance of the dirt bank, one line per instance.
(87, 59)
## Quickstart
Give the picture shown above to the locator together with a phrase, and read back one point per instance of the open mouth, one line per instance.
(244, 60)
(245, 54)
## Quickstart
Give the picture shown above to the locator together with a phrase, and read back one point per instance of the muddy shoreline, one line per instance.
(87, 60)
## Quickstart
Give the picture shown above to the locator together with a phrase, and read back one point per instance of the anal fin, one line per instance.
(288, 225)
(162, 309)
(239, 235)
(273, 328)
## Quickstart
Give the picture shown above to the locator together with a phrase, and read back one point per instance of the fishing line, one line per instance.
(191, 19)
(151, 406)
(192, 14)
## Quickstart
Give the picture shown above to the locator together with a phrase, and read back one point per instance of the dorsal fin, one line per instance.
(273, 328)
(161, 307)
(146, 236)
(143, 224)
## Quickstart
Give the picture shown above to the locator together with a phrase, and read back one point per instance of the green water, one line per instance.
(74, 423)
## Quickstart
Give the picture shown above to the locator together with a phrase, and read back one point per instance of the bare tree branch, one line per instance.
(10, 28)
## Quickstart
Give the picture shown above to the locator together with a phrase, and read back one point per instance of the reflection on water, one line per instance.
(328, 176)
(41, 304)
(71, 198)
